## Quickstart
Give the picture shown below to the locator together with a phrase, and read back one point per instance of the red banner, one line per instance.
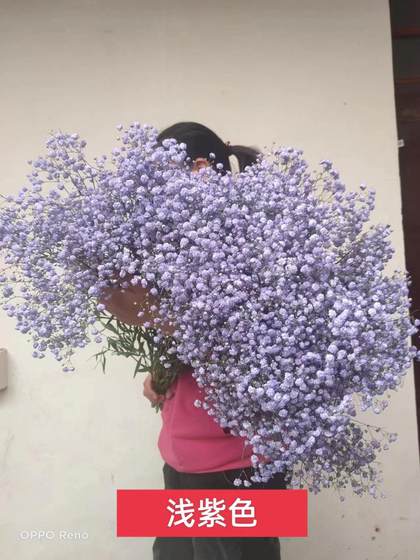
(217, 513)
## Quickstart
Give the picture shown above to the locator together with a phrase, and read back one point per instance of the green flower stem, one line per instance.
(136, 342)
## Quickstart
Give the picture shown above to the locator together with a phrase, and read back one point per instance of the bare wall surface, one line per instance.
(316, 75)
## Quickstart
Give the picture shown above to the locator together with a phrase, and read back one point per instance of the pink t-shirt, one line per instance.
(190, 440)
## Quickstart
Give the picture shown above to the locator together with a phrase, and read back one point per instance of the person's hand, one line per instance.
(125, 304)
(151, 394)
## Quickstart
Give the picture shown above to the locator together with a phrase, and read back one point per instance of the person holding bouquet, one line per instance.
(197, 452)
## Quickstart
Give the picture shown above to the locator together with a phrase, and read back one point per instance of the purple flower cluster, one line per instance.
(277, 289)
(70, 230)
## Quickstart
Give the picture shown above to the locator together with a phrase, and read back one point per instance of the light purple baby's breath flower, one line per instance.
(273, 278)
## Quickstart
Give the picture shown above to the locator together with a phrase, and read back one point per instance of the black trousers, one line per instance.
(216, 548)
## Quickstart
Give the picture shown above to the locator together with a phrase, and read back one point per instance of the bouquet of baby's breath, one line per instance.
(277, 289)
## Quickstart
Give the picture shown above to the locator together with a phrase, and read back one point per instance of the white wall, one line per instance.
(312, 74)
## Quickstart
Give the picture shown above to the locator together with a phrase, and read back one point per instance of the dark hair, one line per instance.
(202, 141)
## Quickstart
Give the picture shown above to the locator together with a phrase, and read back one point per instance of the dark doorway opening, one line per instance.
(405, 25)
